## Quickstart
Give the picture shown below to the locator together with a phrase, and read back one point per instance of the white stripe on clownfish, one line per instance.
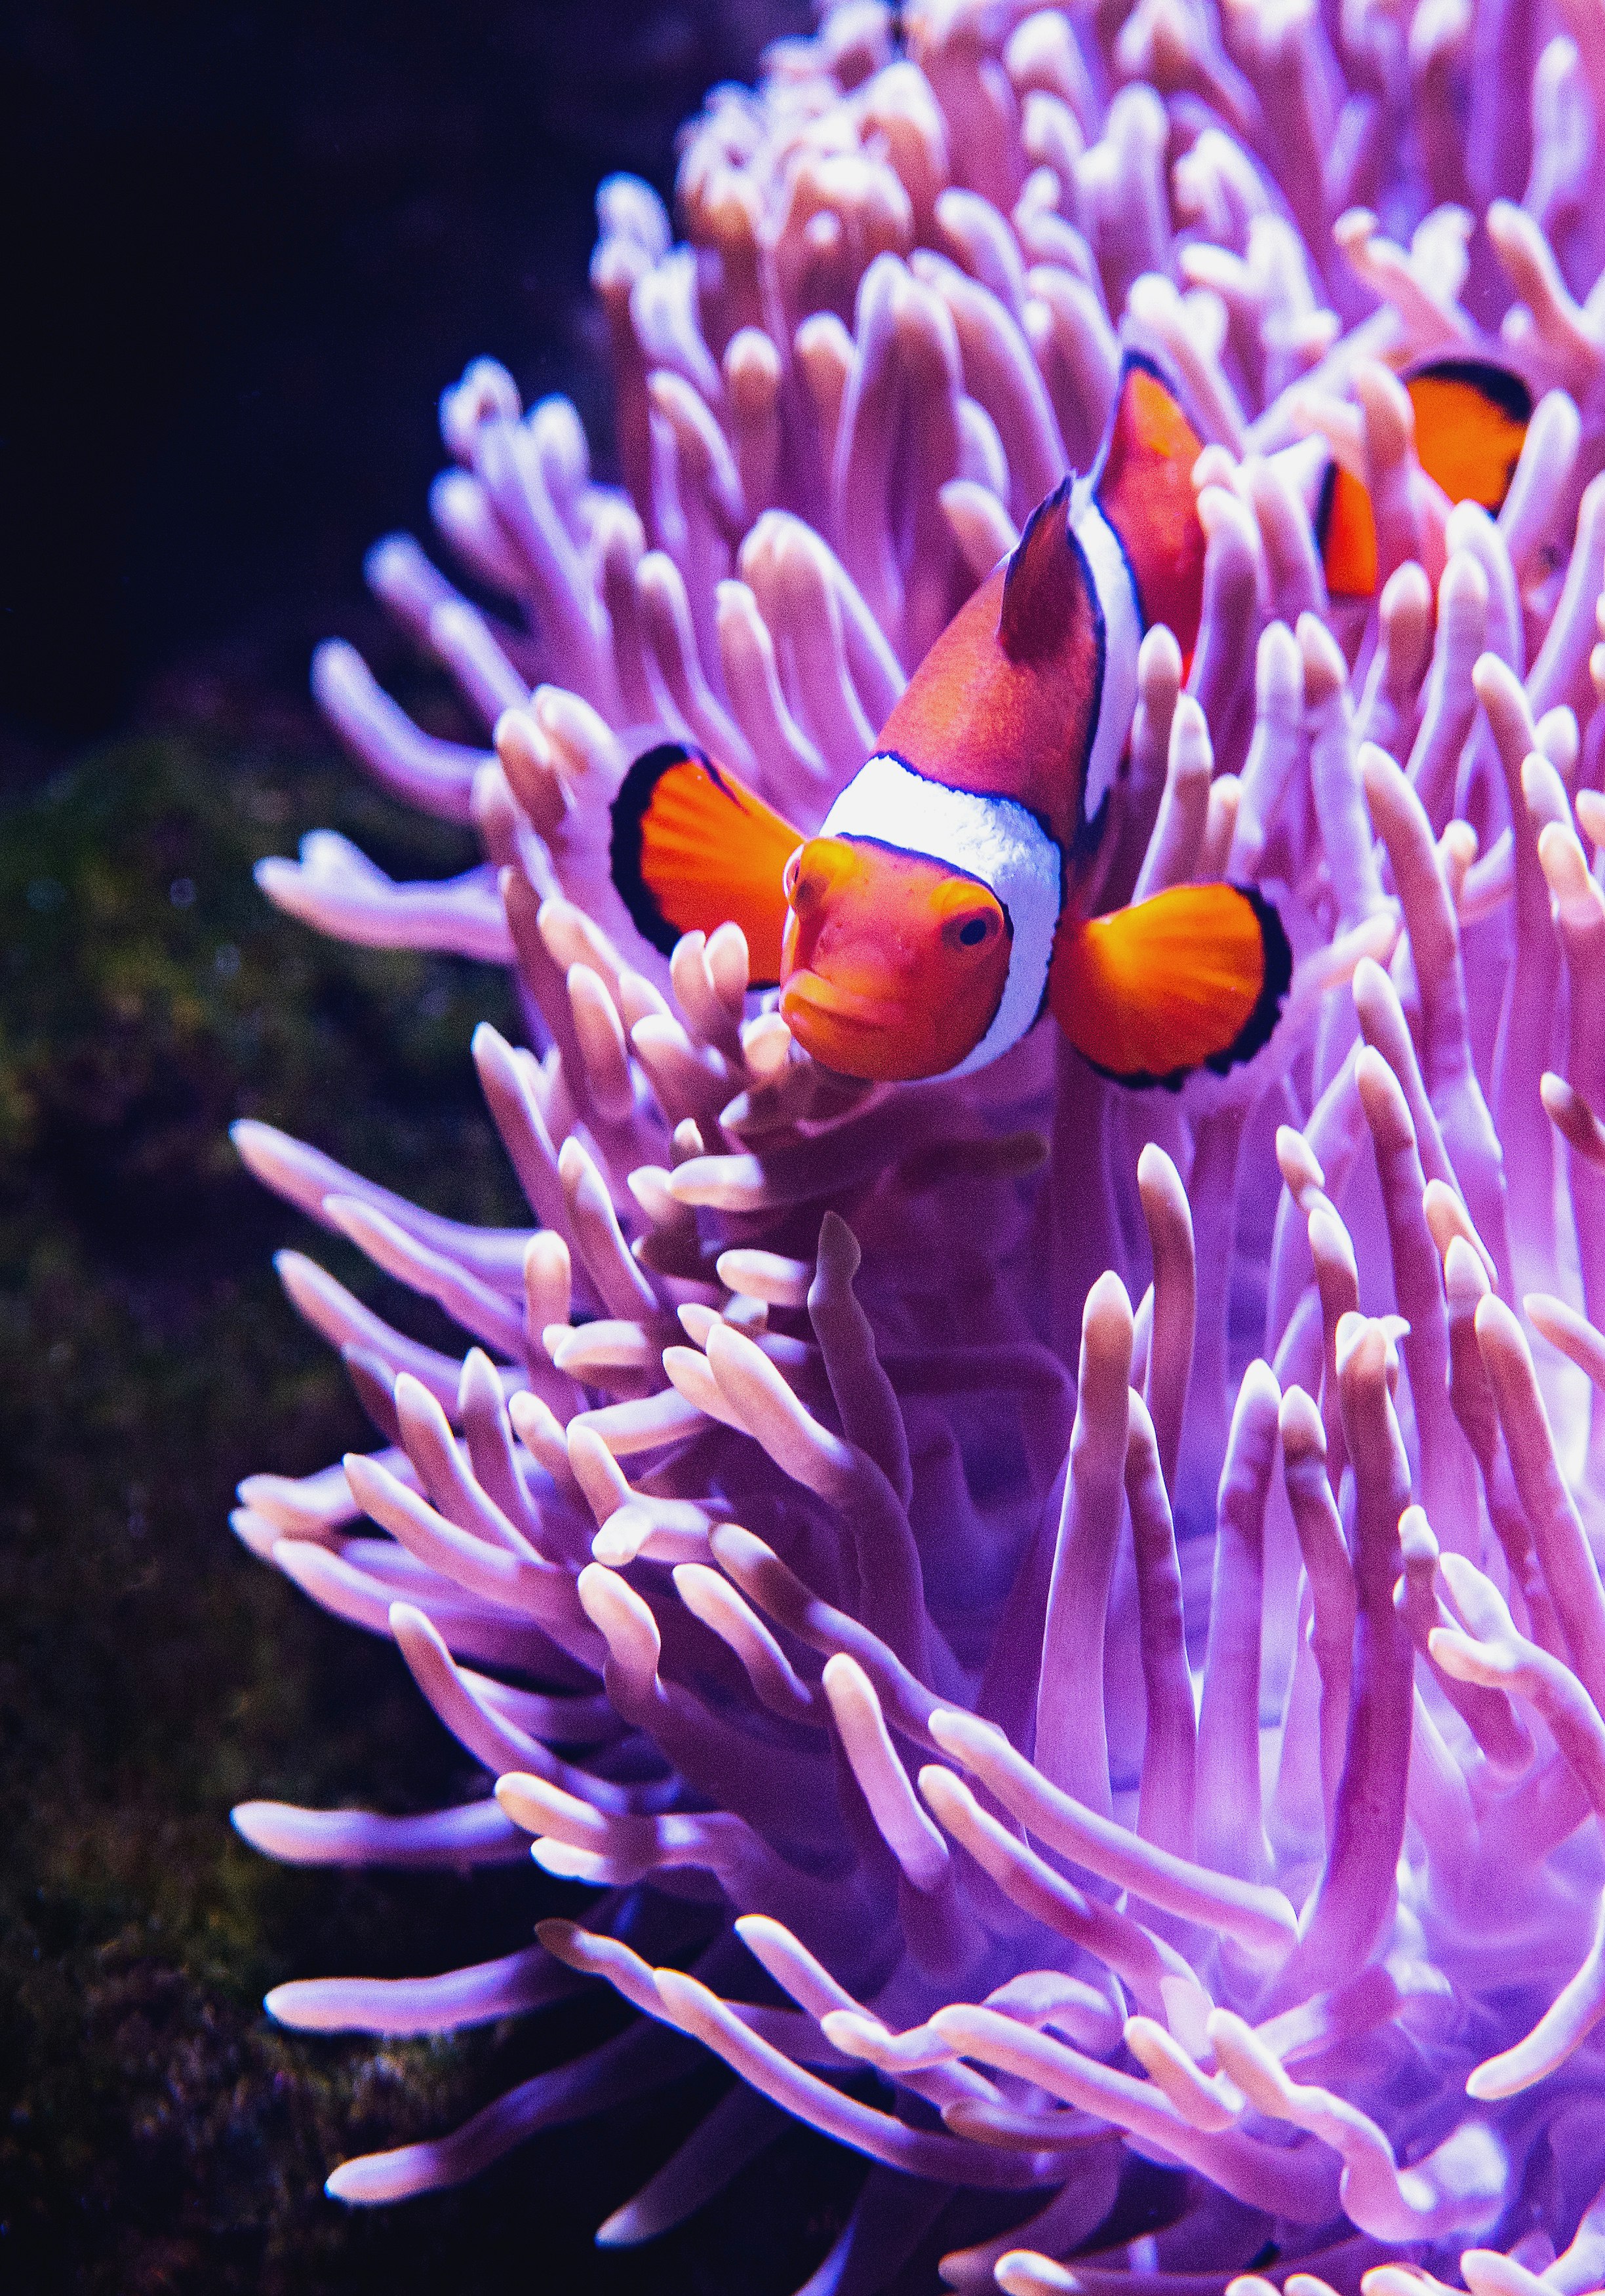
(1114, 590)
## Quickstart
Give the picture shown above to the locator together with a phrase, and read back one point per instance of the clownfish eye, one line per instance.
(816, 869)
(973, 928)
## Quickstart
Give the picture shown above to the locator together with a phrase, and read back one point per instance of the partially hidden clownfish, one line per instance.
(1472, 418)
(941, 908)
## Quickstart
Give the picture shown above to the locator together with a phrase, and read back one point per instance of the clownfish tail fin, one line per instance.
(1193, 978)
(692, 848)
(1143, 485)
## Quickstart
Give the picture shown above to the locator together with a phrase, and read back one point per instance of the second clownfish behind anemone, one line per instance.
(943, 907)
(1469, 417)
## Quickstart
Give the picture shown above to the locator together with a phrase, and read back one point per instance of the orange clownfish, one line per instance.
(938, 911)
(1471, 419)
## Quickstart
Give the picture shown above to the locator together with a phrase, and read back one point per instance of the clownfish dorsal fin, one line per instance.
(1143, 485)
(693, 849)
(1034, 617)
(1192, 978)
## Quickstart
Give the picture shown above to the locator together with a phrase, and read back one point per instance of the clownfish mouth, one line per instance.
(856, 1034)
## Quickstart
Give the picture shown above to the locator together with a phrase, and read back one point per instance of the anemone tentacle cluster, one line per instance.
(862, 1540)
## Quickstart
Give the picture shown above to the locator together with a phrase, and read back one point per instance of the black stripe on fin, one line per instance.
(630, 809)
(1256, 1030)
(694, 848)
(1078, 979)
(1498, 385)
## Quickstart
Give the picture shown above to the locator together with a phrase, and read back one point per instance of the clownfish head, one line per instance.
(892, 963)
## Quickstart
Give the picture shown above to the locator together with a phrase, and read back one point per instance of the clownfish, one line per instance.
(1471, 419)
(941, 908)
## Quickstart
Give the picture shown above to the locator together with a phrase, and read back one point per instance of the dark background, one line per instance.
(249, 241)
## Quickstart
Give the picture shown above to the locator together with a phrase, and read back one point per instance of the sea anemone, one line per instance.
(1027, 1735)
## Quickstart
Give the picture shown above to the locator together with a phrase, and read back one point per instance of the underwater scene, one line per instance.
(879, 1195)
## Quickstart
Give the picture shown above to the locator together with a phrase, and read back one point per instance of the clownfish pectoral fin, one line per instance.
(1471, 419)
(1144, 488)
(693, 849)
(1193, 978)
(1345, 535)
